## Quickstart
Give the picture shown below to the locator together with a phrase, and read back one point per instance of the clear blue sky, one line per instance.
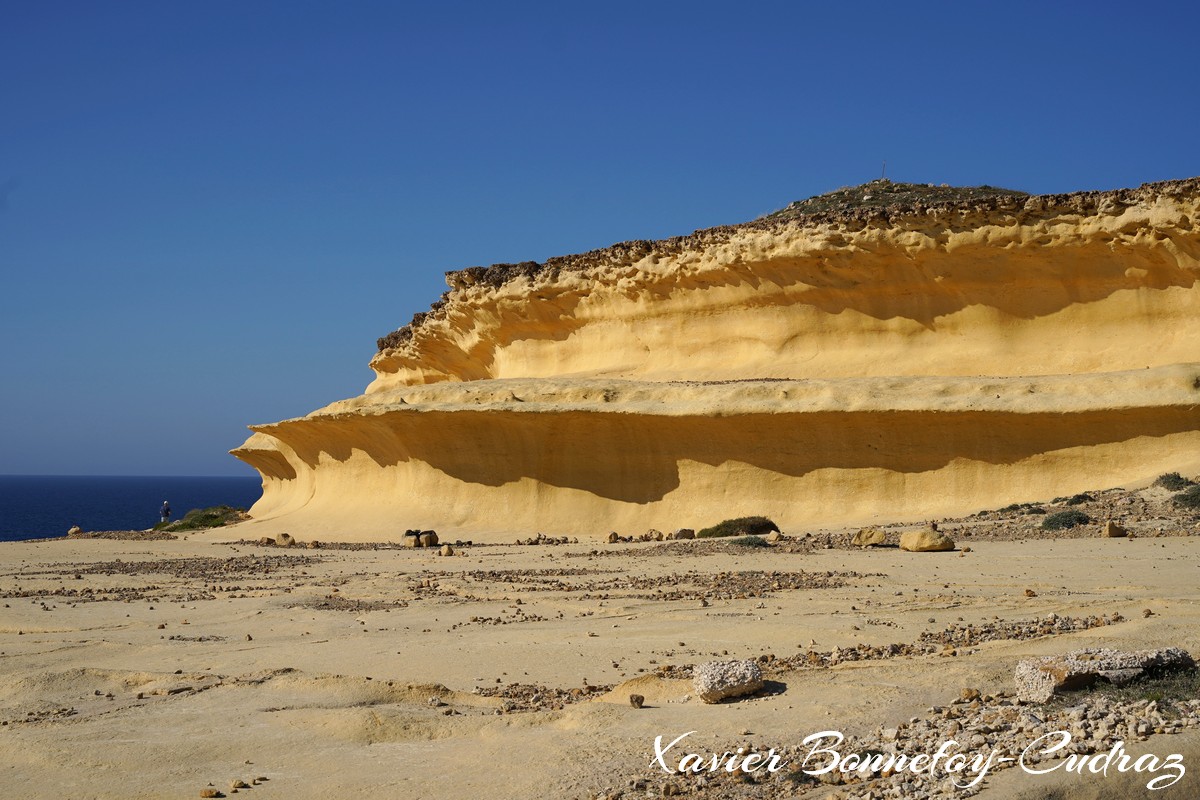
(209, 211)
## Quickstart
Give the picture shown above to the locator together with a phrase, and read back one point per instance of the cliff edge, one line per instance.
(885, 351)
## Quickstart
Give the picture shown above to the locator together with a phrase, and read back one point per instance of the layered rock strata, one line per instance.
(844, 366)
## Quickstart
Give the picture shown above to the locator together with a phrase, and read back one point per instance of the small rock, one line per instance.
(447, 550)
(1114, 531)
(1030, 593)
(75, 529)
(968, 695)
(239, 784)
(636, 700)
(284, 540)
(869, 537)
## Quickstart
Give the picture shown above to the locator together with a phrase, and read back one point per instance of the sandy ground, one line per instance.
(156, 669)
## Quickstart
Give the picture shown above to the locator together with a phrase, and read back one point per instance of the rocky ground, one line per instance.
(150, 668)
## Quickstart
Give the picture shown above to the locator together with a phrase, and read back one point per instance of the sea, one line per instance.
(39, 506)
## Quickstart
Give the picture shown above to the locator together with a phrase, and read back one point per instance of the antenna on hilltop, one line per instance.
(883, 175)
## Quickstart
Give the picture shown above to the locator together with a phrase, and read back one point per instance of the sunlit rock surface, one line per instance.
(882, 353)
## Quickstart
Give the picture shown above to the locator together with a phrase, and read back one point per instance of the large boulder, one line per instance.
(1038, 679)
(926, 540)
(869, 537)
(717, 680)
(684, 533)
(429, 539)
(284, 540)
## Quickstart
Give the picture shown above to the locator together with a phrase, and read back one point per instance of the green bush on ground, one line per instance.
(1188, 498)
(1062, 520)
(1173, 481)
(741, 526)
(750, 541)
(203, 518)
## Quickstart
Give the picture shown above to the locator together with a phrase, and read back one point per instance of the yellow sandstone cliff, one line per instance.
(883, 354)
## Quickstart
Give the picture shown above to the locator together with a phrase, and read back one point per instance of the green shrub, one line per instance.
(1188, 498)
(1178, 685)
(1077, 499)
(1023, 508)
(750, 541)
(1063, 520)
(739, 527)
(1173, 481)
(201, 518)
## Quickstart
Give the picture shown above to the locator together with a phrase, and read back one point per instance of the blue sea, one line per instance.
(37, 506)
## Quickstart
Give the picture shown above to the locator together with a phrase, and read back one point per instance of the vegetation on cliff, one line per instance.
(884, 194)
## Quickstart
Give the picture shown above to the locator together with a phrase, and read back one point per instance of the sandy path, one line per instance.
(335, 701)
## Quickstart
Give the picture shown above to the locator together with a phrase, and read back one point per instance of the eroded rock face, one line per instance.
(915, 291)
(719, 680)
(1039, 679)
(820, 369)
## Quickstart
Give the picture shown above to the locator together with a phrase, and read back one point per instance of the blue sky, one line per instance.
(210, 211)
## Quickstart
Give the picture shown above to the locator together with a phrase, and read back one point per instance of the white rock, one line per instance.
(718, 680)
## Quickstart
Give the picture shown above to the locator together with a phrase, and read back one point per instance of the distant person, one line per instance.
(166, 511)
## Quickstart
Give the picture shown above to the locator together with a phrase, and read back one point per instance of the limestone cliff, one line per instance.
(890, 351)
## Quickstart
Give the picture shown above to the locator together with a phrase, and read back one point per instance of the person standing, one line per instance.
(166, 511)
